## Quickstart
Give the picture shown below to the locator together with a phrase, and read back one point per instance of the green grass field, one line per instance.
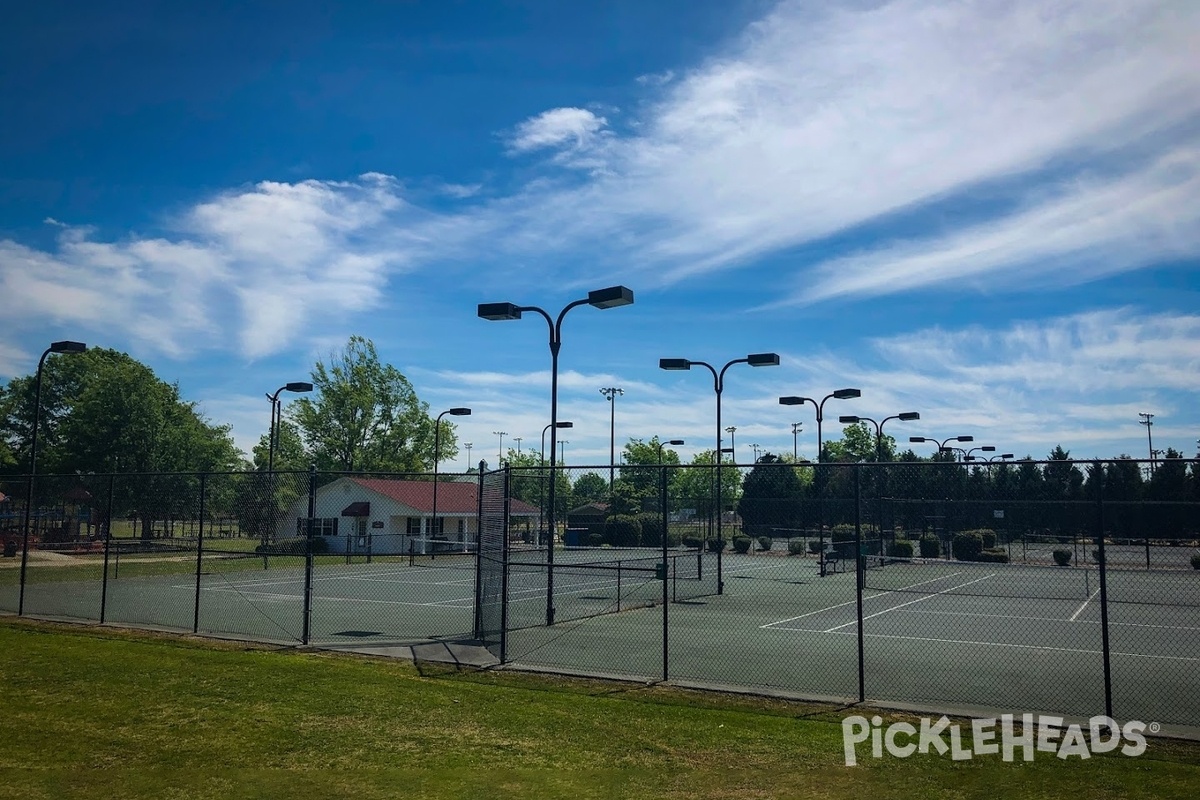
(90, 712)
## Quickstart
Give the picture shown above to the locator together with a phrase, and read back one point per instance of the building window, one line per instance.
(414, 526)
(462, 525)
(321, 527)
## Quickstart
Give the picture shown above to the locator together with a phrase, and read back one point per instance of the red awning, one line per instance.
(359, 509)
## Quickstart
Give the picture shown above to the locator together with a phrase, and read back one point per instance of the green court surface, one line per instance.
(1006, 637)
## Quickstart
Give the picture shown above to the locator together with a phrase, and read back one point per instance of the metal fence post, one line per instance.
(858, 582)
(308, 555)
(199, 554)
(1099, 472)
(662, 475)
(107, 540)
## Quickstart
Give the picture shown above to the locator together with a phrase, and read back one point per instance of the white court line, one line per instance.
(852, 602)
(1014, 618)
(909, 603)
(296, 598)
(1188, 659)
(1082, 607)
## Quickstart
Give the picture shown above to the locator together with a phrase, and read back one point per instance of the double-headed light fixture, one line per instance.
(612, 297)
(840, 394)
(754, 360)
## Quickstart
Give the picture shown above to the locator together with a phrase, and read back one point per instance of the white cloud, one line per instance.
(557, 127)
(250, 268)
(818, 120)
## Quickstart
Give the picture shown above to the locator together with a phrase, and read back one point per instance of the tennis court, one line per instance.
(936, 633)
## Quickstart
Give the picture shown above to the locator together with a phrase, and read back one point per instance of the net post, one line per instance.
(662, 476)
(1099, 472)
(858, 581)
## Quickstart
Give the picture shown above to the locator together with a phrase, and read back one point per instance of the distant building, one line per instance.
(387, 516)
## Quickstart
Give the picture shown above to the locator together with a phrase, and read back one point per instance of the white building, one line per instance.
(387, 516)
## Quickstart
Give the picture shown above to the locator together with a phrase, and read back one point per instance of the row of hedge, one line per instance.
(293, 547)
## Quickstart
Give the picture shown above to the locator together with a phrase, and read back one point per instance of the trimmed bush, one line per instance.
(1196, 561)
(765, 542)
(901, 548)
(967, 546)
(815, 546)
(843, 533)
(623, 531)
(293, 547)
(741, 544)
(594, 539)
(1062, 557)
(796, 548)
(716, 545)
(652, 527)
(930, 546)
(994, 556)
(693, 542)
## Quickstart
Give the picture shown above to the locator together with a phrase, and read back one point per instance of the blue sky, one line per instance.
(987, 212)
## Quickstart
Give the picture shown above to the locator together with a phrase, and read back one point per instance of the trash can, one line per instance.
(10, 548)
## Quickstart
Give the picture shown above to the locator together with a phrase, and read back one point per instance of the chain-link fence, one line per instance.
(1065, 587)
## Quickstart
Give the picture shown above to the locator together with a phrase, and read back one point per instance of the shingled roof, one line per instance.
(454, 497)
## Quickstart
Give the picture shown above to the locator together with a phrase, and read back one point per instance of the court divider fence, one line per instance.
(1055, 586)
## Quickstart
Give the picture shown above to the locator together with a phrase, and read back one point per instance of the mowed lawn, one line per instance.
(101, 713)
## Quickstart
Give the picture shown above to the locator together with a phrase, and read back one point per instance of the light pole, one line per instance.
(611, 297)
(55, 347)
(796, 428)
(562, 451)
(541, 467)
(299, 387)
(850, 419)
(987, 448)
(754, 360)
(277, 418)
(1002, 457)
(732, 430)
(840, 394)
(1148, 421)
(468, 445)
(754, 447)
(611, 393)
(437, 440)
(942, 444)
(662, 477)
(500, 453)
(518, 440)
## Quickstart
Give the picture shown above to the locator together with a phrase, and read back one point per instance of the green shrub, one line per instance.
(594, 539)
(623, 530)
(1196, 561)
(1062, 557)
(966, 546)
(930, 546)
(815, 546)
(994, 556)
(842, 532)
(796, 548)
(765, 542)
(652, 527)
(693, 542)
(741, 544)
(293, 547)
(901, 548)
(716, 545)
